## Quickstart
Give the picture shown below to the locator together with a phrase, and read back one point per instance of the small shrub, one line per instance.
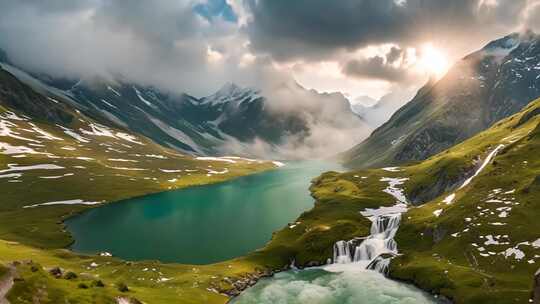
(70, 275)
(122, 287)
(82, 286)
(98, 283)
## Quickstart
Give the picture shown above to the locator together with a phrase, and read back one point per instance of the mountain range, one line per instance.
(482, 88)
(233, 120)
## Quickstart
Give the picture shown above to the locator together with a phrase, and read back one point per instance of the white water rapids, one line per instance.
(373, 252)
(346, 280)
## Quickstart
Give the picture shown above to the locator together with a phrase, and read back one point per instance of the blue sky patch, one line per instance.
(216, 8)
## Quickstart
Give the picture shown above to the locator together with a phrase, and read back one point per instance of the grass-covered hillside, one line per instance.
(471, 235)
(56, 162)
(480, 243)
(307, 241)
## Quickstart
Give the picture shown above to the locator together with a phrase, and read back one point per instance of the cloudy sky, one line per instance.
(356, 47)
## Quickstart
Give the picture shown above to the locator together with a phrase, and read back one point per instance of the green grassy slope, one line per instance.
(308, 241)
(482, 247)
(103, 165)
(434, 256)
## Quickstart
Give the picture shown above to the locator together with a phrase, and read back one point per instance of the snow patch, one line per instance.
(170, 170)
(146, 101)
(222, 159)
(518, 254)
(122, 160)
(15, 168)
(75, 135)
(8, 149)
(392, 169)
(67, 202)
(128, 137)
(114, 91)
(449, 199)
(108, 103)
(11, 175)
(278, 164)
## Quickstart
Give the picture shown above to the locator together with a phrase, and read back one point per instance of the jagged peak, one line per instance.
(228, 88)
(229, 92)
(506, 44)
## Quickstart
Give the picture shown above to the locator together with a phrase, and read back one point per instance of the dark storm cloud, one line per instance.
(45, 6)
(374, 68)
(394, 55)
(161, 22)
(316, 28)
(161, 42)
(167, 42)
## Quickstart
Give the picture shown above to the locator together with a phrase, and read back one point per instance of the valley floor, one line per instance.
(472, 241)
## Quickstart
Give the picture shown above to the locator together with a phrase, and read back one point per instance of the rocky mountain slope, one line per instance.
(233, 120)
(482, 88)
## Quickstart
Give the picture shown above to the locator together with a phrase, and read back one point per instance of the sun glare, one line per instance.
(433, 61)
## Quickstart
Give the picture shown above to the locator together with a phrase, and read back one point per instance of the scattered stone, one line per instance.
(56, 272)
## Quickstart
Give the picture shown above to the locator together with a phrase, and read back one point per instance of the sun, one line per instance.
(433, 61)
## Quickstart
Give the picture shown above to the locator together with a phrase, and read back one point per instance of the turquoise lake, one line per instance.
(200, 225)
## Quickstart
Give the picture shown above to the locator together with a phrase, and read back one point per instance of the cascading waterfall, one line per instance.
(377, 249)
(369, 254)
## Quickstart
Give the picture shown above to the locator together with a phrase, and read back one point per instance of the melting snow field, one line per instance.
(497, 205)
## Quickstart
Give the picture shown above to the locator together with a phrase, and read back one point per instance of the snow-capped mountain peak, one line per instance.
(231, 93)
(504, 46)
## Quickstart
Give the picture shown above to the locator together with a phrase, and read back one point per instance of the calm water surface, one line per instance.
(200, 225)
